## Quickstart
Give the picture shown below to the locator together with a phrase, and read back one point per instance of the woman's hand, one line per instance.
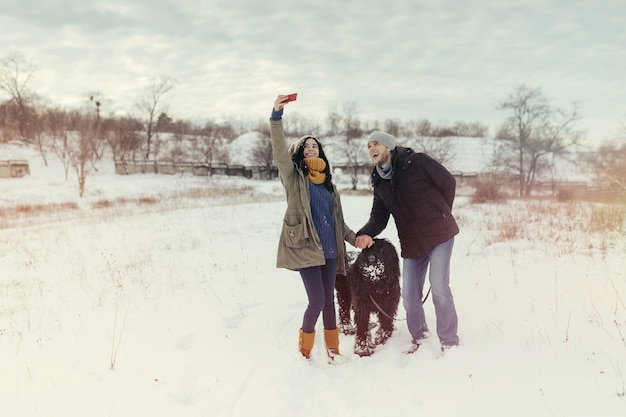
(279, 102)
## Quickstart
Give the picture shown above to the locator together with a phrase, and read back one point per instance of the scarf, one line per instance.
(316, 170)
(385, 173)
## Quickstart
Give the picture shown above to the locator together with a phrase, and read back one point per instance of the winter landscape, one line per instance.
(158, 296)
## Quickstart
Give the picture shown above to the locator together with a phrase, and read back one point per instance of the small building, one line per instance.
(135, 167)
(238, 171)
(219, 169)
(14, 168)
(201, 170)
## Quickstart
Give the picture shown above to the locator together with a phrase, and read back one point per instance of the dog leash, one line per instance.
(387, 315)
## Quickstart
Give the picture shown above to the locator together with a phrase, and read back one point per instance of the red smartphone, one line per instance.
(290, 97)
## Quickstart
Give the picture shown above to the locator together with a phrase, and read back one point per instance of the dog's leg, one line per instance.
(363, 345)
(384, 330)
(344, 300)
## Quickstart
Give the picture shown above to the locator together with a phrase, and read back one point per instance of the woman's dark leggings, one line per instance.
(319, 282)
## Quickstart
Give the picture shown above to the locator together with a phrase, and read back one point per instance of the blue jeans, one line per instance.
(319, 282)
(413, 277)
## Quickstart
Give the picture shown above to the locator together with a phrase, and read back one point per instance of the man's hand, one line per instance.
(364, 241)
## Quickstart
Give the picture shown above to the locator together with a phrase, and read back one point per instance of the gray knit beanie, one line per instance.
(384, 138)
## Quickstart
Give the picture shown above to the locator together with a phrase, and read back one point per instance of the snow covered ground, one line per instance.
(159, 296)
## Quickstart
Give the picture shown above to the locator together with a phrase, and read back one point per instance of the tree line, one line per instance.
(533, 134)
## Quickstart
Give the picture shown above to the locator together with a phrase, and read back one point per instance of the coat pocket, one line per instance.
(295, 236)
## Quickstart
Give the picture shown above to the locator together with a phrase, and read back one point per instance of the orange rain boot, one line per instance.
(331, 337)
(305, 343)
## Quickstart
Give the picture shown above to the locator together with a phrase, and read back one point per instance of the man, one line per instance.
(418, 192)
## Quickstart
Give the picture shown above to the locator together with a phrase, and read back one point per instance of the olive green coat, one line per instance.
(299, 245)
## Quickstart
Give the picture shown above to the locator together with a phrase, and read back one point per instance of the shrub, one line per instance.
(487, 191)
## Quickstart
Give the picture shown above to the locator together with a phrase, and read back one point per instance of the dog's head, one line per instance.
(381, 257)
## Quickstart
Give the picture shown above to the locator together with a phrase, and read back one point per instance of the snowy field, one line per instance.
(158, 296)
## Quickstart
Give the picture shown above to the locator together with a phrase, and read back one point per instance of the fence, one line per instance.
(194, 168)
(255, 172)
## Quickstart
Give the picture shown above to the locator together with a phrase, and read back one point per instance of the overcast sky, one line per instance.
(407, 59)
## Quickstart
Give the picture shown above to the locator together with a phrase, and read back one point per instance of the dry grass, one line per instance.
(215, 193)
(10, 215)
(33, 209)
(123, 201)
(607, 218)
(571, 226)
(567, 218)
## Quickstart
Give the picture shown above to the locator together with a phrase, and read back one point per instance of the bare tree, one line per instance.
(212, 141)
(298, 126)
(262, 152)
(15, 74)
(122, 136)
(81, 150)
(72, 135)
(98, 141)
(61, 125)
(151, 106)
(37, 131)
(472, 130)
(176, 155)
(347, 126)
(394, 127)
(346, 123)
(609, 164)
(422, 127)
(534, 129)
(438, 148)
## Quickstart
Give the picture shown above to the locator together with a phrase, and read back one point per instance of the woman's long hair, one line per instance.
(298, 159)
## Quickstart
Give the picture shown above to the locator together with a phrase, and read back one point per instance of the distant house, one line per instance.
(14, 168)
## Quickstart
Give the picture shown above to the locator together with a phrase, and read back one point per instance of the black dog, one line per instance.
(373, 286)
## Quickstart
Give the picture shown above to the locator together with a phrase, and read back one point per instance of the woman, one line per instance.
(313, 232)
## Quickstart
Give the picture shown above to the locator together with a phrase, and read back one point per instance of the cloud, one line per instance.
(406, 59)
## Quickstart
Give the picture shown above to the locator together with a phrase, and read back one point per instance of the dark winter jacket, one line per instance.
(419, 195)
(300, 245)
